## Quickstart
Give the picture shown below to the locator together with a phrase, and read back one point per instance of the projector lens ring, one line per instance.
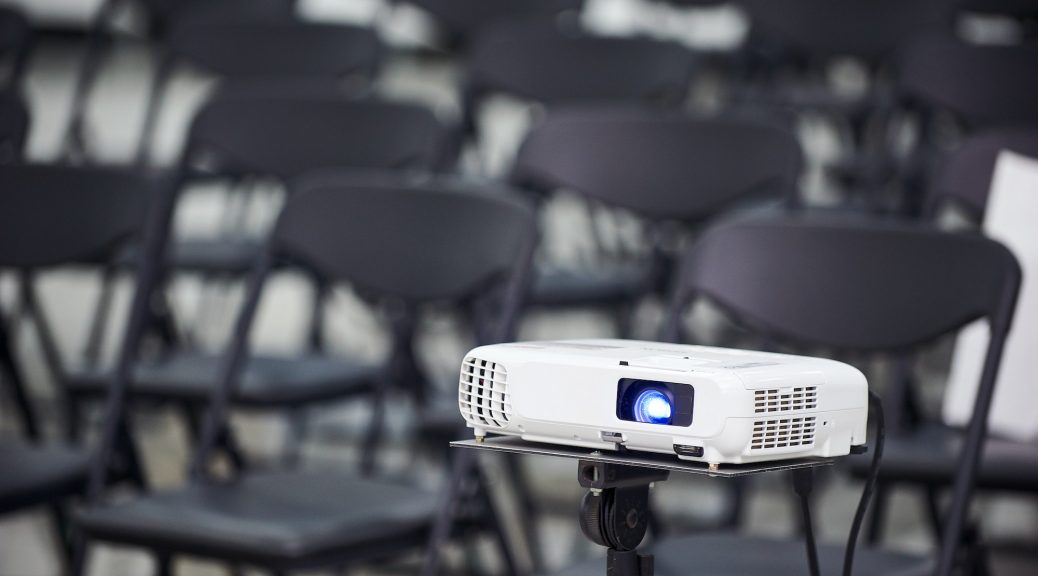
(653, 406)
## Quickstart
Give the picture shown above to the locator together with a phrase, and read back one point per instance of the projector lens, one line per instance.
(654, 402)
(653, 407)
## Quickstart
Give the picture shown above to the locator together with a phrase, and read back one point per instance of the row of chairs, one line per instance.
(851, 285)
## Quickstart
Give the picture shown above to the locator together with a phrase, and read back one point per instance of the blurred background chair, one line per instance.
(239, 137)
(921, 451)
(52, 217)
(851, 286)
(670, 172)
(290, 520)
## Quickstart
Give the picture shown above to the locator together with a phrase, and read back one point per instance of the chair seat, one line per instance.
(607, 285)
(33, 475)
(734, 555)
(930, 455)
(276, 519)
(268, 380)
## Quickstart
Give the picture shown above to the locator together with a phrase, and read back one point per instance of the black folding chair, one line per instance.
(952, 87)
(543, 65)
(412, 245)
(854, 286)
(50, 217)
(237, 136)
(793, 45)
(922, 453)
(666, 169)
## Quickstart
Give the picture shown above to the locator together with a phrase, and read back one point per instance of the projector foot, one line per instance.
(615, 513)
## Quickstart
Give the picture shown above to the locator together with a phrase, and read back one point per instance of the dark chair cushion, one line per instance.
(276, 519)
(33, 475)
(930, 455)
(606, 285)
(733, 555)
(268, 380)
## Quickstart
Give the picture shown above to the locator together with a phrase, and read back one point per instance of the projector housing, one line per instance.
(713, 405)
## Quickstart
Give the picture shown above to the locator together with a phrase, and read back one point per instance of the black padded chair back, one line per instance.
(54, 215)
(541, 64)
(983, 86)
(14, 126)
(663, 167)
(285, 136)
(418, 243)
(463, 19)
(237, 51)
(863, 286)
(870, 30)
(850, 284)
(965, 177)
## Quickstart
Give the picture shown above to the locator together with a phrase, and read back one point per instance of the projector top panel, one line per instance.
(658, 355)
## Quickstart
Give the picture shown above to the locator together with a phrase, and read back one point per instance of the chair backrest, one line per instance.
(416, 242)
(870, 30)
(849, 284)
(541, 64)
(54, 215)
(14, 126)
(285, 136)
(270, 48)
(965, 176)
(865, 286)
(466, 18)
(984, 86)
(661, 166)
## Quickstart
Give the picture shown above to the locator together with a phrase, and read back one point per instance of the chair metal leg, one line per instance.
(79, 557)
(933, 512)
(373, 434)
(316, 336)
(99, 319)
(62, 534)
(527, 510)
(496, 523)
(163, 564)
(732, 517)
(11, 374)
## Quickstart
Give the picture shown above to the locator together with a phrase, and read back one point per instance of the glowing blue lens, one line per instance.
(652, 407)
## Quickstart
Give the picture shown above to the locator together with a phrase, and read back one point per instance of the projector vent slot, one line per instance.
(483, 393)
(783, 433)
(775, 400)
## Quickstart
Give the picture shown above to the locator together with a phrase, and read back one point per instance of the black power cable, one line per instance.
(803, 483)
(875, 410)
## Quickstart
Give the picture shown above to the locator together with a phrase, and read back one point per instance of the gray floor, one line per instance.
(26, 547)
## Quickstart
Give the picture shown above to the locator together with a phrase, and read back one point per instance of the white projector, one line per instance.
(713, 405)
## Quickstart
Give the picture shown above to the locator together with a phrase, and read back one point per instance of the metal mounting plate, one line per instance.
(517, 445)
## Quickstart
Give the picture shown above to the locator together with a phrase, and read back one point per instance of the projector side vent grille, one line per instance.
(783, 433)
(774, 400)
(483, 393)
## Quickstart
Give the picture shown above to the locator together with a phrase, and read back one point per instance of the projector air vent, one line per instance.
(483, 393)
(774, 400)
(783, 433)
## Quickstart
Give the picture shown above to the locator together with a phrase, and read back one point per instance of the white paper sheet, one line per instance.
(1012, 218)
